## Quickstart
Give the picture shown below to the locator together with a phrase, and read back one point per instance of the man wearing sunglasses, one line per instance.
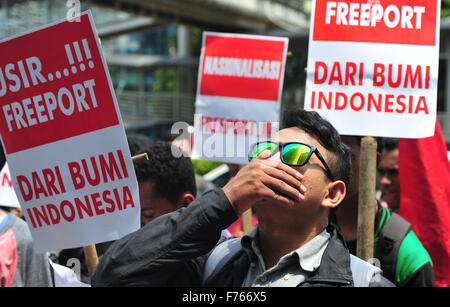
(293, 182)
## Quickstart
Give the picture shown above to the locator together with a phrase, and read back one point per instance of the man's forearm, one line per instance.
(162, 247)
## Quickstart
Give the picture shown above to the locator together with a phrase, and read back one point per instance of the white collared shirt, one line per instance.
(291, 270)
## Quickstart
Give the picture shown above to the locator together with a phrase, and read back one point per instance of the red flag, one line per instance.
(425, 197)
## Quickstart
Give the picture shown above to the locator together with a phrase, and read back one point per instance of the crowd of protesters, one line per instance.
(306, 211)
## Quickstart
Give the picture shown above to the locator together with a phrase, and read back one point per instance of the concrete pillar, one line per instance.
(183, 41)
(185, 84)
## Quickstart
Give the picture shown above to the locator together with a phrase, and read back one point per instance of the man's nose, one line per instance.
(384, 180)
(275, 157)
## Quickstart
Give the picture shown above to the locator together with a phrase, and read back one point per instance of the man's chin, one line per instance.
(392, 200)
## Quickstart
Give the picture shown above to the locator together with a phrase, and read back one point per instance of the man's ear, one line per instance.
(185, 199)
(335, 194)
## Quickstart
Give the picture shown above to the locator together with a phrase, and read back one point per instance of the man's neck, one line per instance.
(347, 218)
(277, 241)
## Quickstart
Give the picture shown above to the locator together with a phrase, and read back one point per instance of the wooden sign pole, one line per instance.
(366, 208)
(247, 221)
(91, 257)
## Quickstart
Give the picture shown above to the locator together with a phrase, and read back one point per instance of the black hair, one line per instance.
(172, 176)
(6, 209)
(137, 143)
(388, 144)
(322, 130)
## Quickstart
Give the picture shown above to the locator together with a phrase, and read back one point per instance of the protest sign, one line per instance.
(64, 138)
(65, 277)
(373, 66)
(239, 91)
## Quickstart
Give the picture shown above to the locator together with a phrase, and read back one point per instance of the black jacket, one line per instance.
(172, 250)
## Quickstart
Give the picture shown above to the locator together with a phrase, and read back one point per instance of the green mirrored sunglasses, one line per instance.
(292, 154)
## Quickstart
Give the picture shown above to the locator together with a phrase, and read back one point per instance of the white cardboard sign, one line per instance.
(239, 91)
(373, 66)
(64, 138)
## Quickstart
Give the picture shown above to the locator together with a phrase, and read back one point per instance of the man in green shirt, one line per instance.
(400, 253)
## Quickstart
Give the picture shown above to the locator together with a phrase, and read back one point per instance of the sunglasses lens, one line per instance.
(261, 147)
(295, 154)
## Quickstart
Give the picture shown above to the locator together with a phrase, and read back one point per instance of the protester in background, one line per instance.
(20, 264)
(166, 183)
(294, 238)
(184, 144)
(388, 173)
(8, 198)
(137, 143)
(402, 257)
(17, 212)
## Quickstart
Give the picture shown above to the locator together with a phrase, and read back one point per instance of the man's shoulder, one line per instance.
(21, 230)
(411, 247)
(412, 256)
(367, 275)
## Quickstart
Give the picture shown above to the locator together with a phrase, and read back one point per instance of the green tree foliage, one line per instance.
(202, 167)
(445, 8)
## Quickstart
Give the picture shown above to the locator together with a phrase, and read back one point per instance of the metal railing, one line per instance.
(294, 4)
(136, 106)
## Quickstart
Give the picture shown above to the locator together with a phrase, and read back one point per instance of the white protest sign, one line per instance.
(64, 139)
(373, 66)
(65, 277)
(8, 197)
(239, 91)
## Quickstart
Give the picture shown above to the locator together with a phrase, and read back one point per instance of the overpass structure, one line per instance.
(248, 15)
